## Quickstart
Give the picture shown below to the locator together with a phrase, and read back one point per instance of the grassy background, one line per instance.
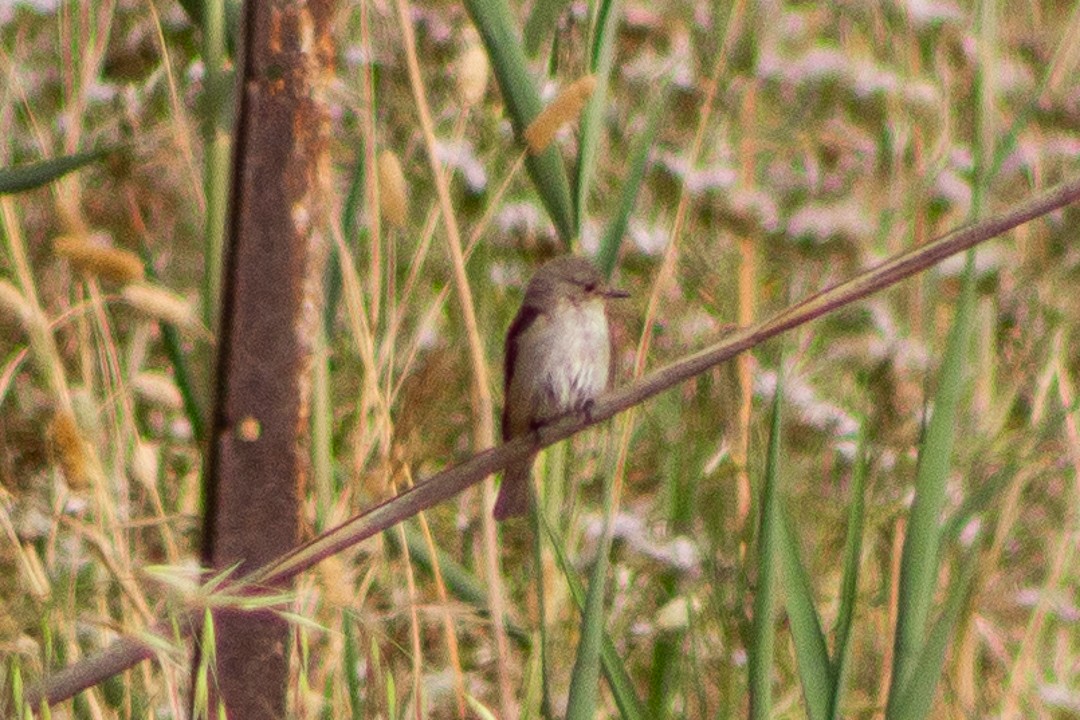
(796, 145)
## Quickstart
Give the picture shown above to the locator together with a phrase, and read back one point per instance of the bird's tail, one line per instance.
(513, 497)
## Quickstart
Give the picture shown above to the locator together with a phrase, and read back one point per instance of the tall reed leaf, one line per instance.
(619, 682)
(811, 650)
(547, 170)
(584, 688)
(33, 175)
(917, 696)
(351, 668)
(631, 185)
(763, 630)
(601, 53)
(920, 559)
(849, 581)
(541, 23)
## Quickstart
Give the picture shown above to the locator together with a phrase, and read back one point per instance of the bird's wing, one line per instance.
(525, 317)
(611, 351)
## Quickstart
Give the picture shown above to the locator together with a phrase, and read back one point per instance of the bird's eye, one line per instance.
(589, 287)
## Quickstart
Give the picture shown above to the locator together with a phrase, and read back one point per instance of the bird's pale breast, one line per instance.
(563, 360)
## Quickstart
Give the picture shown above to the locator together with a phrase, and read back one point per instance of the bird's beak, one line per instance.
(612, 293)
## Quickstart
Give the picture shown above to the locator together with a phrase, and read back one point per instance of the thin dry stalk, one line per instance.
(485, 422)
(482, 403)
(371, 186)
(42, 343)
(125, 434)
(420, 255)
(414, 626)
(747, 286)
(181, 122)
(444, 603)
(371, 396)
(447, 616)
(118, 567)
(117, 497)
(440, 299)
(667, 267)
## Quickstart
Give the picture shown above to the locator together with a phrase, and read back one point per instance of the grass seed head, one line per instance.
(92, 257)
(563, 109)
(393, 194)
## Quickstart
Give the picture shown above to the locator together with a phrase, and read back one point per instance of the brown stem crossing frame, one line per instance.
(129, 651)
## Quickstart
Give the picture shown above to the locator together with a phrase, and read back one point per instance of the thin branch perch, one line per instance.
(444, 485)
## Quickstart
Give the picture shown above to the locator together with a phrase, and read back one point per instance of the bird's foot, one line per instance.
(587, 409)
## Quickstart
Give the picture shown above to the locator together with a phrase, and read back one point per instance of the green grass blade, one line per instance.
(351, 667)
(196, 12)
(602, 53)
(460, 583)
(920, 558)
(217, 107)
(635, 173)
(619, 682)
(811, 650)
(541, 23)
(667, 658)
(917, 695)
(33, 175)
(584, 685)
(178, 359)
(849, 581)
(922, 544)
(354, 233)
(547, 170)
(763, 629)
(535, 511)
(15, 691)
(321, 428)
(977, 501)
(677, 490)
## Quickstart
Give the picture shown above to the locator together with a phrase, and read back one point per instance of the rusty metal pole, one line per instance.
(270, 299)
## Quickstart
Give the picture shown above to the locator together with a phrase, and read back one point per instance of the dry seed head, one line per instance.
(34, 574)
(70, 449)
(472, 74)
(144, 464)
(158, 389)
(675, 615)
(12, 302)
(562, 110)
(393, 196)
(336, 582)
(160, 304)
(99, 260)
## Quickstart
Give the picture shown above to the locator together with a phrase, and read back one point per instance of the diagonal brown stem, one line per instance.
(444, 485)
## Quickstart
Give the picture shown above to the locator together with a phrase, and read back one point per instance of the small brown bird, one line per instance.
(558, 359)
